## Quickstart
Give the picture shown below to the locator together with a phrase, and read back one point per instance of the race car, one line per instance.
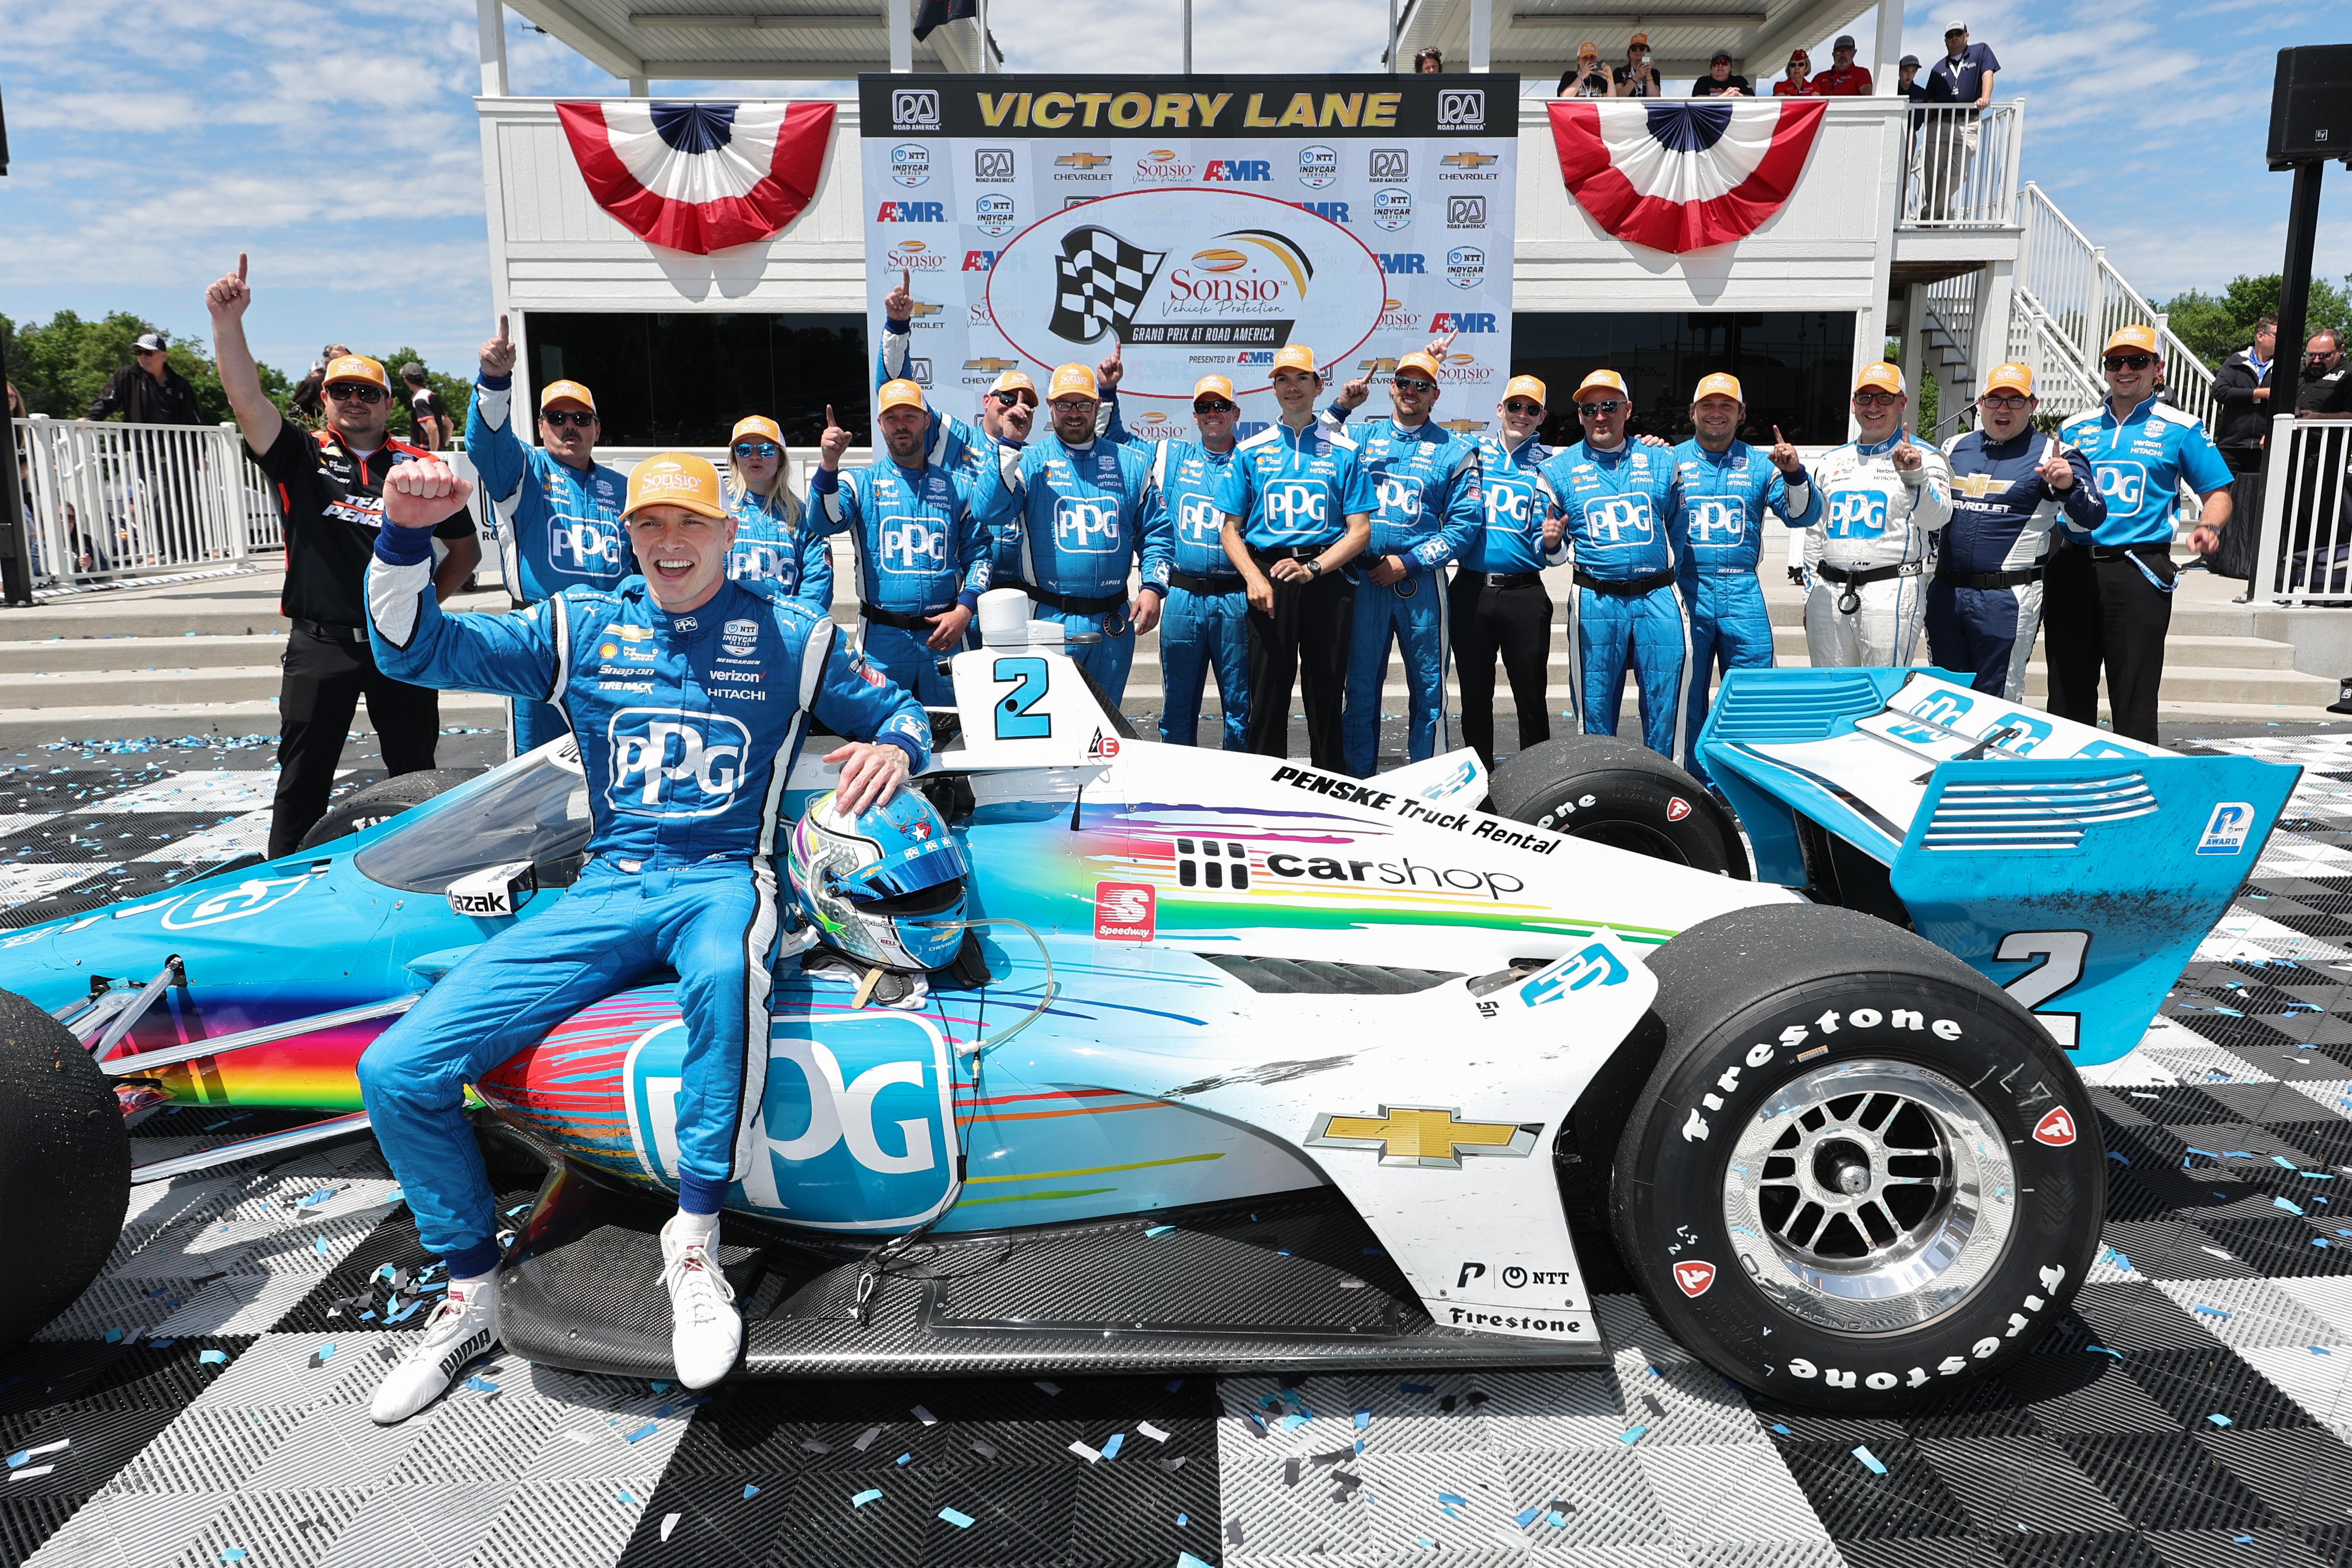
(1242, 1065)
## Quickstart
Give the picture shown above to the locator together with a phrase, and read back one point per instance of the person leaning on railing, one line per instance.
(1959, 85)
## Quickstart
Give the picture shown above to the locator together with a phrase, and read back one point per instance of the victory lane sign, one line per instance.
(1200, 223)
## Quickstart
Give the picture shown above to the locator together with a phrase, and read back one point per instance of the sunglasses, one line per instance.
(1216, 406)
(1605, 405)
(1875, 399)
(756, 448)
(2129, 362)
(2319, 359)
(1007, 399)
(579, 418)
(1414, 384)
(1521, 406)
(1074, 406)
(355, 392)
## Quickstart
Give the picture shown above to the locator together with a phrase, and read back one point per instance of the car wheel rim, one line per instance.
(1869, 1196)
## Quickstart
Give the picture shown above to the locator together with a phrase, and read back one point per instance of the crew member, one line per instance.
(1206, 623)
(1426, 507)
(329, 491)
(686, 777)
(775, 544)
(1497, 600)
(922, 555)
(1728, 486)
(1297, 507)
(948, 442)
(1882, 498)
(2108, 594)
(1614, 503)
(559, 510)
(1070, 516)
(2009, 482)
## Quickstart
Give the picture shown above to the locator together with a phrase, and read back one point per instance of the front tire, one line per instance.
(1859, 1177)
(1613, 791)
(382, 801)
(65, 1169)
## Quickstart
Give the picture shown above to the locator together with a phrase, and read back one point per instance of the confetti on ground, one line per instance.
(647, 1430)
(1870, 1461)
(871, 1494)
(1159, 1231)
(2220, 1421)
(1083, 1452)
(1112, 1445)
(1049, 1387)
(1148, 1430)
(1632, 1435)
(925, 1416)
(669, 1523)
(749, 1491)
(865, 1438)
(956, 1517)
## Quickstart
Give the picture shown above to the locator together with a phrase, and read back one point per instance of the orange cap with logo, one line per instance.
(1072, 381)
(900, 393)
(555, 391)
(1295, 356)
(1214, 387)
(1526, 387)
(755, 425)
(1719, 384)
(675, 479)
(1882, 376)
(1421, 360)
(1587, 51)
(354, 367)
(1014, 381)
(2010, 378)
(2133, 337)
(1642, 39)
(1607, 380)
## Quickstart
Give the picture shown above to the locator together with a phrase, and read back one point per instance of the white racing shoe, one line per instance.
(463, 1329)
(705, 1330)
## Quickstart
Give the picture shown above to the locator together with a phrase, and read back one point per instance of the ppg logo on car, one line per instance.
(583, 547)
(1086, 525)
(913, 544)
(1461, 109)
(667, 762)
(918, 109)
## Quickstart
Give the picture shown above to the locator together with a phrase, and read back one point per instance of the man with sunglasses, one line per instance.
(1072, 516)
(1497, 603)
(1727, 488)
(329, 492)
(2107, 595)
(558, 509)
(776, 546)
(1883, 498)
(2009, 482)
(1615, 503)
(948, 442)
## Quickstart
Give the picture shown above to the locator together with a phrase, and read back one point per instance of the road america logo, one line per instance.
(1462, 110)
(1694, 1278)
(918, 109)
(1676, 808)
(1126, 911)
(2057, 1129)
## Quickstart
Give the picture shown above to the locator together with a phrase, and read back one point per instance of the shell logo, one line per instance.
(1220, 260)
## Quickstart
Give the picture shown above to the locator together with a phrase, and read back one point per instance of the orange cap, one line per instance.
(1587, 51)
(1420, 360)
(2010, 378)
(1882, 376)
(556, 390)
(1641, 38)
(1296, 356)
(1214, 387)
(900, 394)
(1526, 387)
(1607, 380)
(1719, 384)
(675, 479)
(2131, 337)
(354, 367)
(1014, 381)
(1073, 381)
(755, 425)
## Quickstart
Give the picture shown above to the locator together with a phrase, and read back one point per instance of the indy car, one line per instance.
(1242, 1065)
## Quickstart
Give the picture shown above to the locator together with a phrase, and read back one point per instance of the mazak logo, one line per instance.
(1388, 165)
(1317, 167)
(1462, 108)
(911, 212)
(1161, 166)
(1404, 264)
(1468, 165)
(918, 109)
(1465, 267)
(994, 214)
(1126, 911)
(1694, 1278)
(2057, 1129)
(1211, 863)
(1082, 166)
(914, 256)
(910, 165)
(1466, 212)
(1238, 171)
(992, 165)
(978, 260)
(1464, 322)
(666, 761)
(1393, 209)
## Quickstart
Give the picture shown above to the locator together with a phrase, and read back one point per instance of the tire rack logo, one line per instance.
(1462, 108)
(918, 109)
(1317, 167)
(709, 749)
(1694, 1278)
(910, 164)
(1466, 212)
(1206, 869)
(1390, 166)
(1125, 911)
(1465, 267)
(994, 214)
(2056, 1129)
(992, 165)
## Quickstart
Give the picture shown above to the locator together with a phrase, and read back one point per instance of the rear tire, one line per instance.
(1613, 791)
(1859, 1177)
(65, 1169)
(382, 801)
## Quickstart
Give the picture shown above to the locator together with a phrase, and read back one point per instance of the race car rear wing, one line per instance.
(2074, 868)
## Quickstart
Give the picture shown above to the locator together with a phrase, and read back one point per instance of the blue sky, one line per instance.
(338, 143)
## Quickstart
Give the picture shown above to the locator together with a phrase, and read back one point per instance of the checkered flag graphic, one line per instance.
(1103, 279)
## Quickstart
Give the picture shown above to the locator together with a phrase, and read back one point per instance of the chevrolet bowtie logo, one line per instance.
(991, 366)
(1977, 485)
(1430, 1136)
(1469, 160)
(1081, 161)
(923, 310)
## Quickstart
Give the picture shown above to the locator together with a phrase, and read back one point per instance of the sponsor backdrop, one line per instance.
(1200, 223)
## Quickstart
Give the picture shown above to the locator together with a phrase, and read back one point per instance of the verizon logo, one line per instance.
(1209, 864)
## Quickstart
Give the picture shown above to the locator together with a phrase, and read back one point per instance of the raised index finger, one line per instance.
(240, 265)
(829, 419)
(502, 328)
(1779, 439)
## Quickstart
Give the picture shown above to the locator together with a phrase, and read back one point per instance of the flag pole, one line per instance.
(1188, 37)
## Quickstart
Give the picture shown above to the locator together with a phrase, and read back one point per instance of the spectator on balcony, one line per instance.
(1637, 78)
(1843, 78)
(1721, 81)
(1961, 82)
(2325, 392)
(1431, 61)
(1797, 82)
(306, 401)
(148, 391)
(1588, 78)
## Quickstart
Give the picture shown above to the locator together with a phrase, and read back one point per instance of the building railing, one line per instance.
(1959, 167)
(2070, 281)
(2304, 556)
(2060, 379)
(112, 500)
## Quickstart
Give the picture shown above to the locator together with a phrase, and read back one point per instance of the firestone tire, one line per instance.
(382, 801)
(1860, 1177)
(65, 1169)
(1613, 791)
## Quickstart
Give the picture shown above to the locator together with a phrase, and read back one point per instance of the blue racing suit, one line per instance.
(920, 552)
(687, 726)
(1725, 496)
(947, 443)
(1427, 510)
(777, 547)
(1623, 509)
(559, 527)
(1984, 604)
(1068, 522)
(1206, 623)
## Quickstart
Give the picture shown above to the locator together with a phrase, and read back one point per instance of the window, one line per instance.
(1795, 367)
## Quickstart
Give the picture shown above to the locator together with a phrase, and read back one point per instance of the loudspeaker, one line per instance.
(2311, 104)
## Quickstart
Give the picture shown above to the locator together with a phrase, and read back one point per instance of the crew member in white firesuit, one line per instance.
(1866, 560)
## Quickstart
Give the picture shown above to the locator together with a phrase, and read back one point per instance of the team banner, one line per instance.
(1198, 223)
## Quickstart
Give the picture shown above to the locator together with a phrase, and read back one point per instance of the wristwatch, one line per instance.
(1315, 567)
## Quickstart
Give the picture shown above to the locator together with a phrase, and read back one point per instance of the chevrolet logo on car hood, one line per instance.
(1433, 1137)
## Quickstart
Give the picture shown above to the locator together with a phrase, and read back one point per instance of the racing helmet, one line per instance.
(887, 886)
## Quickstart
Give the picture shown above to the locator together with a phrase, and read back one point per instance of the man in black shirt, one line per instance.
(330, 489)
(1720, 80)
(430, 414)
(149, 391)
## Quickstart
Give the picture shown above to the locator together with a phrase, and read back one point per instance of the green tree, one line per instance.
(454, 391)
(2215, 327)
(62, 364)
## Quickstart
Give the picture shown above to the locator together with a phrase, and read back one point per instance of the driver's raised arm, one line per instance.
(520, 655)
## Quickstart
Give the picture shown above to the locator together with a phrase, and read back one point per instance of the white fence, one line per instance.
(1961, 171)
(2305, 553)
(112, 501)
(2067, 283)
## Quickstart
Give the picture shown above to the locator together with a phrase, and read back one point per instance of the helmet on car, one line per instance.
(884, 886)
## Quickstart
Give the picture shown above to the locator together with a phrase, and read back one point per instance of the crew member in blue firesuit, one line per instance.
(948, 442)
(775, 543)
(1728, 486)
(922, 556)
(690, 696)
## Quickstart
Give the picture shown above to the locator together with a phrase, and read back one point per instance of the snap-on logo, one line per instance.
(1694, 1278)
(1676, 808)
(1126, 911)
(2057, 1129)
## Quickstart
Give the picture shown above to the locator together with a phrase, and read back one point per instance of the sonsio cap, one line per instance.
(1608, 380)
(1587, 51)
(675, 479)
(1719, 384)
(1643, 39)
(1214, 387)
(755, 425)
(1419, 360)
(1526, 387)
(1072, 381)
(2133, 337)
(1882, 376)
(1295, 356)
(355, 367)
(556, 390)
(900, 393)
(2010, 377)
(1014, 381)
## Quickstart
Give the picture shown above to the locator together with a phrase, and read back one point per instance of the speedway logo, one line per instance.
(666, 761)
(1126, 911)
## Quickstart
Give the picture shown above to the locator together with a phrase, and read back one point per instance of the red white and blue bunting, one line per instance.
(1681, 176)
(699, 177)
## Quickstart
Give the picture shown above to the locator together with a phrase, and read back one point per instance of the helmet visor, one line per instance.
(912, 870)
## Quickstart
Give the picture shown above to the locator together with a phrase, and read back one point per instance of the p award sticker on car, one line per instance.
(2057, 1129)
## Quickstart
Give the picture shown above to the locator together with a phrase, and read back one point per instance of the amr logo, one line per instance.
(1200, 865)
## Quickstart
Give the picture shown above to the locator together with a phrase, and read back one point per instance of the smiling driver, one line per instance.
(690, 696)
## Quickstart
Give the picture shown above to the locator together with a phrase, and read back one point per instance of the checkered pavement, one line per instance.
(2195, 1408)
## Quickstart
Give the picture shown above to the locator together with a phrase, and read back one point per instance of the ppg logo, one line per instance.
(583, 547)
(1400, 497)
(1197, 522)
(914, 109)
(1506, 507)
(1292, 506)
(2031, 731)
(667, 762)
(1856, 514)
(758, 563)
(1620, 520)
(1718, 521)
(1086, 525)
(1595, 965)
(1943, 710)
(2122, 483)
(1461, 109)
(913, 544)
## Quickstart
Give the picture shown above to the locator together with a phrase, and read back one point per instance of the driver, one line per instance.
(689, 695)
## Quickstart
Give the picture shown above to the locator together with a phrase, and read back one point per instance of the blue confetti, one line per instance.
(114, 1336)
(1182, 1521)
(315, 1199)
(1158, 1230)
(1870, 1461)
(871, 1494)
(2282, 1160)
(2210, 1311)
(212, 1358)
(1363, 1418)
(2319, 1350)
(1112, 1445)
(2102, 1349)
(749, 1491)
(2220, 1421)
(628, 1498)
(481, 1384)
(1186, 1560)
(1631, 1435)
(959, 1519)
(319, 1246)
(906, 1458)
(1526, 1517)
(324, 1353)
(232, 1554)
(1782, 1430)
(647, 1430)
(2118, 1158)
(1292, 1423)
(2284, 1204)
(1453, 1499)
(2209, 1154)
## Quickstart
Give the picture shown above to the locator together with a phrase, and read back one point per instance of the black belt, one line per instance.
(876, 613)
(2152, 549)
(1862, 576)
(1192, 584)
(1071, 603)
(1500, 578)
(1632, 588)
(333, 633)
(1288, 552)
(2018, 578)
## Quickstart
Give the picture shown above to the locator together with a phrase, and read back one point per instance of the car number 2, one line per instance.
(1014, 721)
(2063, 953)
